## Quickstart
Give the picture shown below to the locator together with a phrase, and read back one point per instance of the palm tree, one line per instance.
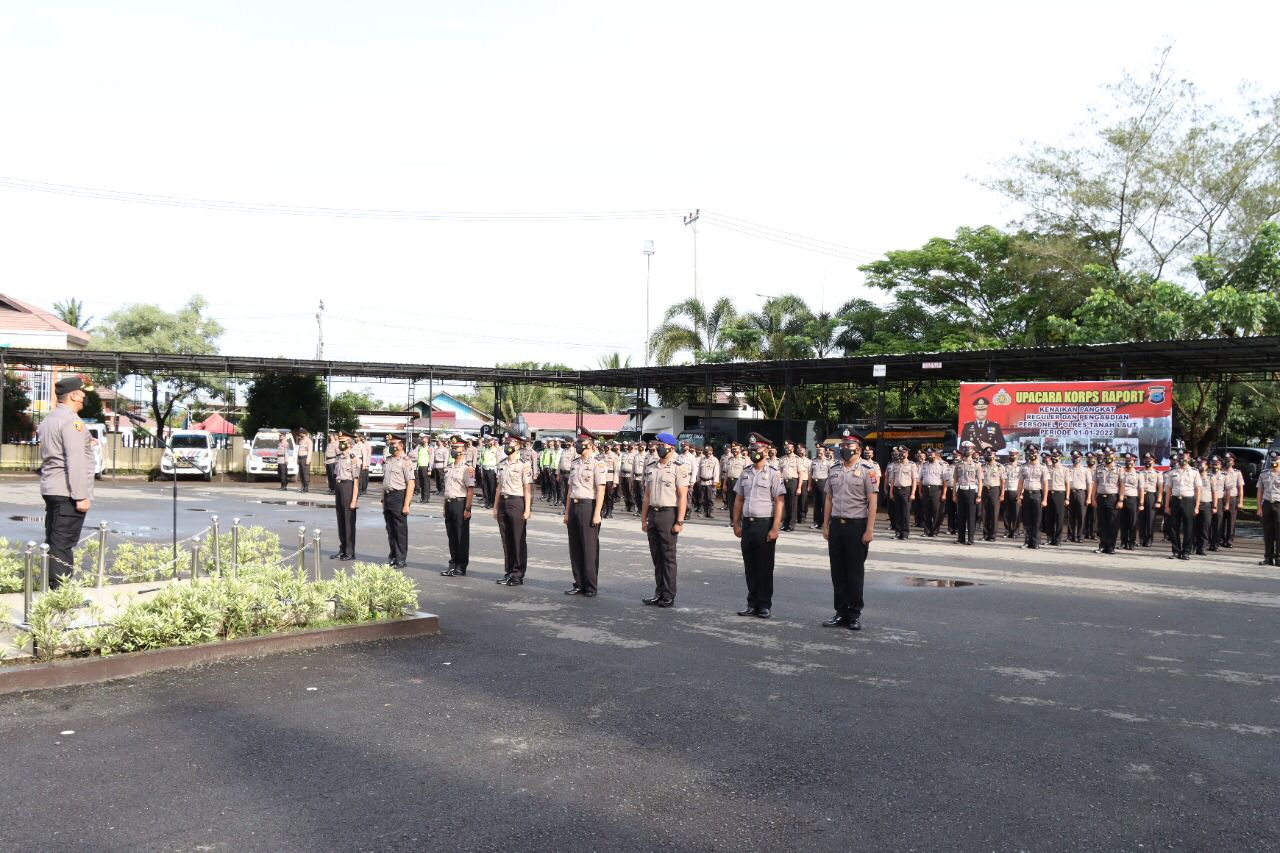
(71, 312)
(611, 400)
(702, 335)
(783, 325)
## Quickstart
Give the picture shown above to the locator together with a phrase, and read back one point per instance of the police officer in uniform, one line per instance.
(346, 476)
(397, 497)
(1232, 495)
(1182, 504)
(820, 471)
(564, 465)
(459, 491)
(789, 467)
(282, 459)
(984, 434)
(66, 475)
(330, 459)
(1011, 506)
(625, 475)
(304, 459)
(990, 493)
(666, 489)
(1152, 484)
(708, 475)
(758, 501)
(967, 477)
(584, 501)
(1033, 487)
(1106, 501)
(439, 458)
(1269, 509)
(423, 455)
(931, 479)
(852, 489)
(1078, 497)
(514, 504)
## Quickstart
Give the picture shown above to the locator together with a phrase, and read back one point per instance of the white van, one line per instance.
(263, 454)
(192, 452)
(98, 431)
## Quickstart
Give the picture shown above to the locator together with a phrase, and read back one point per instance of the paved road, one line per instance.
(1066, 701)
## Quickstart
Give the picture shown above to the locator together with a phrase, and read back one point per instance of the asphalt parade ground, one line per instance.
(1064, 701)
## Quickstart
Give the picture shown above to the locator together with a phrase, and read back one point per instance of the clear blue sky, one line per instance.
(863, 128)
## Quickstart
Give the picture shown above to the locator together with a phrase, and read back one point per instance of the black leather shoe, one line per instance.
(836, 621)
(574, 591)
(506, 579)
(666, 602)
(402, 565)
(654, 600)
(346, 559)
(762, 613)
(515, 581)
(449, 572)
(855, 624)
(589, 594)
(337, 556)
(750, 611)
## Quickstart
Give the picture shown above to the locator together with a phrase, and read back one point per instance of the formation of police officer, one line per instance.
(758, 508)
(849, 526)
(584, 488)
(662, 508)
(66, 475)
(513, 503)
(398, 482)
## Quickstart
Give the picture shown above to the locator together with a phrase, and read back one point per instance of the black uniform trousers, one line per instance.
(1107, 527)
(628, 493)
(1147, 520)
(1203, 523)
(364, 480)
(820, 501)
(458, 530)
(1010, 509)
(1090, 522)
(951, 510)
(1128, 517)
(422, 480)
(1031, 512)
(1230, 507)
(1075, 514)
(708, 490)
(1183, 511)
(512, 529)
(638, 495)
(438, 474)
(757, 561)
(562, 487)
(662, 548)
(966, 514)
(489, 485)
(802, 499)
(848, 554)
(584, 544)
(990, 511)
(789, 502)
(932, 503)
(1270, 512)
(1057, 515)
(346, 517)
(282, 472)
(304, 472)
(899, 510)
(397, 524)
(329, 468)
(62, 526)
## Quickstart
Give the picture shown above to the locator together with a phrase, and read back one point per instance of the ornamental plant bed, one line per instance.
(88, 670)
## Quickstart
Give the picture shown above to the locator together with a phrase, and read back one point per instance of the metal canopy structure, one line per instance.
(1206, 358)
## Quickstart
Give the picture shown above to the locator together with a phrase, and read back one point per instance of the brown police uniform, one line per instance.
(515, 491)
(586, 475)
(665, 483)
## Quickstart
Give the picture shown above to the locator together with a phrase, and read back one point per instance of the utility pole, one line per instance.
(692, 219)
(320, 331)
(648, 265)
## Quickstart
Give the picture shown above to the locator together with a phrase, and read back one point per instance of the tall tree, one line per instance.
(285, 401)
(362, 400)
(71, 312)
(149, 328)
(611, 399)
(18, 425)
(691, 327)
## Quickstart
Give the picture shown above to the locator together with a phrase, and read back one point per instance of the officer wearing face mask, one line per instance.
(584, 501)
(666, 490)
(458, 491)
(852, 490)
(757, 519)
(1269, 509)
(66, 475)
(397, 496)
(1182, 505)
(1033, 488)
(1107, 501)
(789, 467)
(512, 505)
(346, 475)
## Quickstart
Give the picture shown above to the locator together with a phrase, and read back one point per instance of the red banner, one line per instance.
(1127, 416)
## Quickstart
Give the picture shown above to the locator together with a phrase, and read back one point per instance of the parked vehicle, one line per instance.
(377, 452)
(683, 419)
(99, 431)
(721, 431)
(263, 455)
(1251, 461)
(190, 451)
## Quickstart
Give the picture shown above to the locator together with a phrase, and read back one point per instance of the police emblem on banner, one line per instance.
(1155, 393)
(1002, 398)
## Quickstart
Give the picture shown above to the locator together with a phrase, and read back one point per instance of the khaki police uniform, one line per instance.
(851, 496)
(346, 475)
(330, 460)
(1059, 485)
(1232, 495)
(1150, 481)
(931, 479)
(515, 493)
(1106, 490)
(1078, 506)
(666, 484)
(397, 481)
(1010, 508)
(967, 477)
(992, 493)
(304, 461)
(585, 483)
(789, 468)
(1181, 504)
(756, 512)
(1269, 509)
(819, 472)
(708, 475)
(459, 487)
(1032, 483)
(66, 477)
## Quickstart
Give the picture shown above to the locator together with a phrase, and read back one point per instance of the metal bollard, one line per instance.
(235, 546)
(315, 554)
(217, 549)
(44, 567)
(28, 585)
(302, 547)
(195, 557)
(102, 553)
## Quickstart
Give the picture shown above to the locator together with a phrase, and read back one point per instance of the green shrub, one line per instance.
(85, 558)
(13, 566)
(371, 591)
(135, 561)
(257, 545)
(52, 620)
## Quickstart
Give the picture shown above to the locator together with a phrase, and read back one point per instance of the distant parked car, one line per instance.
(98, 431)
(190, 451)
(377, 452)
(263, 455)
(1249, 460)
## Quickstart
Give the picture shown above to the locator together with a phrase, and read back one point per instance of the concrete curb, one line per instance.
(67, 673)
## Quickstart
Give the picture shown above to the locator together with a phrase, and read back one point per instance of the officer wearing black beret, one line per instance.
(66, 475)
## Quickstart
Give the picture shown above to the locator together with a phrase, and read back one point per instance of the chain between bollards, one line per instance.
(217, 548)
(195, 557)
(102, 554)
(302, 547)
(44, 567)
(235, 546)
(315, 554)
(28, 584)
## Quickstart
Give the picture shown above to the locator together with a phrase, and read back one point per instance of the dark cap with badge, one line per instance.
(755, 439)
(586, 434)
(67, 384)
(848, 436)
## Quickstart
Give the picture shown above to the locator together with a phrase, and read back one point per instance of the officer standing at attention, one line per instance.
(990, 494)
(666, 489)
(610, 457)
(625, 474)
(584, 501)
(66, 475)
(967, 476)
(1106, 500)
(1269, 509)
(802, 491)
(1090, 512)
(282, 459)
(1033, 485)
(852, 488)
(820, 471)
(1059, 483)
(931, 473)
(330, 459)
(564, 466)
(459, 491)
(758, 501)
(439, 458)
(422, 468)
(346, 475)
(489, 471)
(304, 459)
(1011, 506)
(789, 468)
(638, 463)
(1131, 503)
(1232, 494)
(1218, 481)
(366, 462)
(397, 497)
(1182, 504)
(730, 471)
(1152, 485)
(1204, 518)
(1081, 482)
(708, 475)
(514, 504)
